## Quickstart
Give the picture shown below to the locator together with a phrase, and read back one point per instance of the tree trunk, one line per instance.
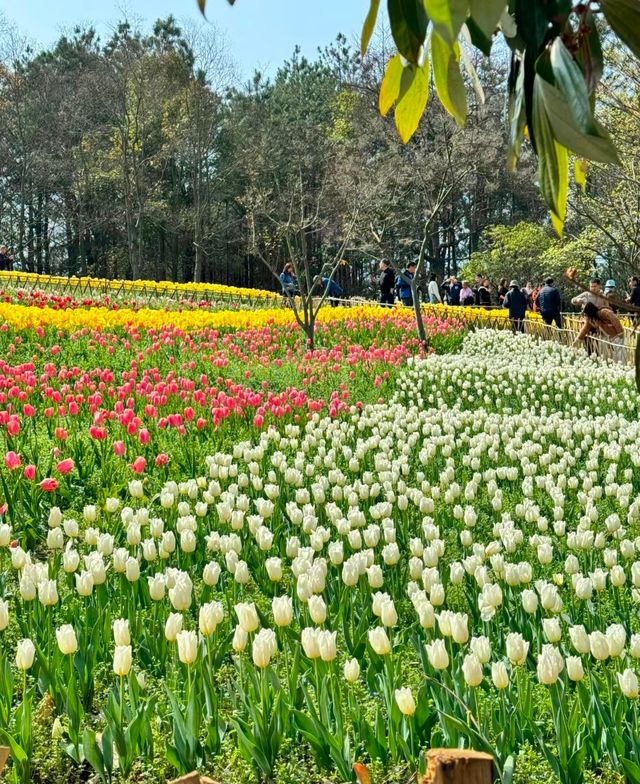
(458, 766)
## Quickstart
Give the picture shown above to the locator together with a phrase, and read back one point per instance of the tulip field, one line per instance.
(220, 551)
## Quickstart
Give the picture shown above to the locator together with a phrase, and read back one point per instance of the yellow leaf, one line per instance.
(580, 171)
(390, 87)
(448, 16)
(369, 24)
(413, 100)
(448, 79)
(559, 214)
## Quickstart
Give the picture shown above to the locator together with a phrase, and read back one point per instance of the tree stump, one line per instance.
(4, 756)
(458, 766)
(193, 778)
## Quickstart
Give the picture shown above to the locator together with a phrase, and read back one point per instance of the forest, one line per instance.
(144, 156)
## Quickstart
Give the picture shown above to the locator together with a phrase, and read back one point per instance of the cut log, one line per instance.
(4, 756)
(193, 778)
(458, 766)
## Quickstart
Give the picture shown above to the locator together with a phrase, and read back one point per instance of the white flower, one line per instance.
(599, 645)
(405, 701)
(472, 670)
(247, 616)
(379, 641)
(122, 660)
(499, 675)
(351, 670)
(187, 647)
(628, 681)
(517, 648)
(437, 654)
(575, 670)
(264, 647)
(25, 654)
(66, 639)
(209, 616)
(121, 633)
(172, 626)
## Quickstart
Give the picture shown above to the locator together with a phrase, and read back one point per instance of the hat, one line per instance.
(514, 283)
(610, 284)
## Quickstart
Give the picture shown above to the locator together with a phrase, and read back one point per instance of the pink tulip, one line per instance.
(49, 485)
(139, 464)
(65, 466)
(162, 459)
(12, 461)
(119, 448)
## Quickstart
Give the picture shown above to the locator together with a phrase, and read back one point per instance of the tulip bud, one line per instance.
(209, 617)
(240, 639)
(247, 616)
(172, 626)
(437, 654)
(499, 675)
(351, 671)
(25, 654)
(4, 615)
(579, 639)
(121, 633)
(327, 645)
(66, 638)
(599, 645)
(575, 670)
(472, 670)
(122, 660)
(628, 681)
(405, 701)
(517, 648)
(187, 647)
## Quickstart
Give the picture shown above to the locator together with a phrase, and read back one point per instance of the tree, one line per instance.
(556, 66)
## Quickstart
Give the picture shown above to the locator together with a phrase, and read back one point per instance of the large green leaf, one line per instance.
(592, 147)
(624, 18)
(486, 14)
(517, 114)
(532, 23)
(553, 161)
(570, 82)
(448, 16)
(390, 87)
(409, 22)
(414, 94)
(369, 24)
(448, 79)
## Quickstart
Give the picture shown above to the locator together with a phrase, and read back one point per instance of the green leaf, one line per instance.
(369, 24)
(17, 752)
(486, 14)
(592, 147)
(532, 24)
(414, 94)
(517, 113)
(447, 17)
(570, 82)
(632, 771)
(390, 87)
(478, 38)
(92, 752)
(409, 27)
(624, 18)
(448, 79)
(553, 161)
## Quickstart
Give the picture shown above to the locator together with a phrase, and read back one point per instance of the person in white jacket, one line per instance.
(434, 291)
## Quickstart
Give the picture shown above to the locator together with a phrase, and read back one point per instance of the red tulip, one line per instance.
(119, 448)
(29, 471)
(49, 485)
(162, 459)
(65, 466)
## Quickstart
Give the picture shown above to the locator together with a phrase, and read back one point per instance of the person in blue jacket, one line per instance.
(402, 284)
(549, 304)
(516, 302)
(333, 289)
(289, 282)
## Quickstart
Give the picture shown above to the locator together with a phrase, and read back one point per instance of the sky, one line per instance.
(261, 34)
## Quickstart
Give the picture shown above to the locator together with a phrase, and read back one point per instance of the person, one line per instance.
(403, 287)
(594, 295)
(333, 289)
(483, 294)
(527, 291)
(604, 322)
(446, 288)
(549, 303)
(610, 293)
(6, 262)
(455, 287)
(386, 283)
(634, 291)
(534, 298)
(289, 281)
(516, 302)
(467, 297)
(502, 291)
(433, 291)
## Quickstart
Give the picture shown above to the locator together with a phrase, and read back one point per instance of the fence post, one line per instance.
(4, 756)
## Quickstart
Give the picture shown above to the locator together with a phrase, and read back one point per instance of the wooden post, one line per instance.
(193, 778)
(458, 766)
(4, 756)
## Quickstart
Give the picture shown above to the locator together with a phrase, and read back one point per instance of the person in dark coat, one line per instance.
(289, 282)
(455, 287)
(634, 291)
(6, 262)
(386, 282)
(403, 287)
(483, 294)
(516, 302)
(549, 304)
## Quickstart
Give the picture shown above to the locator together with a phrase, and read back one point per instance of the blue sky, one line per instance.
(260, 33)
